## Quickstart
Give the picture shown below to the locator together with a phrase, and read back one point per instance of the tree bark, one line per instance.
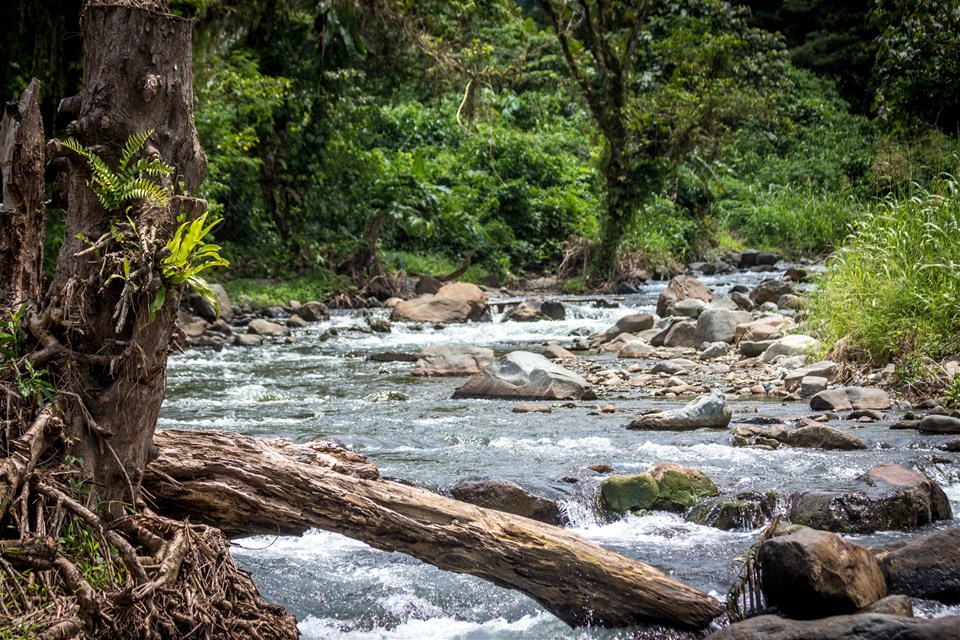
(113, 351)
(251, 486)
(22, 214)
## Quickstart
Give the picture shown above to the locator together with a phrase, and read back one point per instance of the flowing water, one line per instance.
(327, 389)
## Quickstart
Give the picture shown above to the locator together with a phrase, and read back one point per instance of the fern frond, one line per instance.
(145, 189)
(134, 143)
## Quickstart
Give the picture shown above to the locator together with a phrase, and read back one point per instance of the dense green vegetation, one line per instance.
(351, 138)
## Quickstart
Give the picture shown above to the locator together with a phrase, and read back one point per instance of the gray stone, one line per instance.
(811, 574)
(508, 497)
(719, 325)
(313, 311)
(847, 398)
(864, 626)
(296, 322)
(939, 424)
(752, 349)
(794, 345)
(819, 436)
(681, 334)
(674, 367)
(715, 350)
(524, 375)
(555, 352)
(452, 360)
(887, 497)
(203, 308)
(681, 288)
(812, 385)
(533, 310)
(690, 308)
(927, 568)
(636, 349)
(532, 408)
(247, 340)
(825, 369)
(770, 291)
(742, 301)
(707, 411)
(634, 323)
(263, 327)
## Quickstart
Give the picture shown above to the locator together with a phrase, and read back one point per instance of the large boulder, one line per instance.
(681, 334)
(847, 398)
(262, 327)
(508, 497)
(927, 568)
(452, 360)
(770, 291)
(813, 435)
(664, 486)
(524, 375)
(454, 302)
(887, 497)
(719, 325)
(708, 410)
(865, 626)
(794, 345)
(313, 311)
(809, 574)
(681, 288)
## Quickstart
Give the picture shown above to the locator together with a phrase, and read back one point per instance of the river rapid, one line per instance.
(314, 388)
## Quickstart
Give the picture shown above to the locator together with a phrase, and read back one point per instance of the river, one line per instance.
(313, 388)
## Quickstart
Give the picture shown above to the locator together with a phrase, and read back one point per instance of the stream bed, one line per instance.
(312, 388)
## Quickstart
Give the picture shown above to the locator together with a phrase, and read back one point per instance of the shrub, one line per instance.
(892, 292)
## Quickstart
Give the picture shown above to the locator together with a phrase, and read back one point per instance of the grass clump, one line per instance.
(319, 285)
(891, 294)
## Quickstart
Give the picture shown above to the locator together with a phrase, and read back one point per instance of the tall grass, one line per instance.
(893, 292)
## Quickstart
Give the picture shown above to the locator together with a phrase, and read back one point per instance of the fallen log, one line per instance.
(247, 486)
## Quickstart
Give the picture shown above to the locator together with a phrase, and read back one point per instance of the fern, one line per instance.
(133, 180)
(190, 254)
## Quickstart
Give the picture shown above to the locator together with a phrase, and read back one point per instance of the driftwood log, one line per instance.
(248, 486)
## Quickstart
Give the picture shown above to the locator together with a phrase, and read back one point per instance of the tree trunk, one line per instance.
(108, 349)
(22, 214)
(251, 486)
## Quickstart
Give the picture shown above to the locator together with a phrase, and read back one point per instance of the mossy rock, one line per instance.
(629, 493)
(742, 511)
(680, 487)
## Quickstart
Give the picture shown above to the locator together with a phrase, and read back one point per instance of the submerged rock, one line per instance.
(524, 375)
(709, 411)
(743, 511)
(887, 497)
(811, 574)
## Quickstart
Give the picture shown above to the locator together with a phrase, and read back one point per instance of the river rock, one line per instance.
(634, 323)
(296, 322)
(793, 345)
(664, 486)
(715, 350)
(452, 360)
(554, 351)
(313, 311)
(674, 367)
(636, 349)
(690, 308)
(847, 398)
(393, 356)
(263, 327)
(812, 385)
(533, 310)
(927, 568)
(894, 605)
(770, 291)
(866, 626)
(508, 497)
(887, 497)
(454, 302)
(936, 424)
(742, 301)
(819, 436)
(531, 408)
(752, 349)
(824, 369)
(247, 340)
(810, 574)
(766, 328)
(681, 288)
(710, 411)
(524, 375)
(719, 325)
(681, 334)
(743, 511)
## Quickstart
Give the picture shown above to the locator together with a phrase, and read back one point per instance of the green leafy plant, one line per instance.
(11, 337)
(133, 179)
(190, 254)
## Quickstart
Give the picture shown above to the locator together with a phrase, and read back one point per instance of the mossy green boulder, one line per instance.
(664, 486)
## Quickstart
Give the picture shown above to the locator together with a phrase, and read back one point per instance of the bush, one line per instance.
(892, 292)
